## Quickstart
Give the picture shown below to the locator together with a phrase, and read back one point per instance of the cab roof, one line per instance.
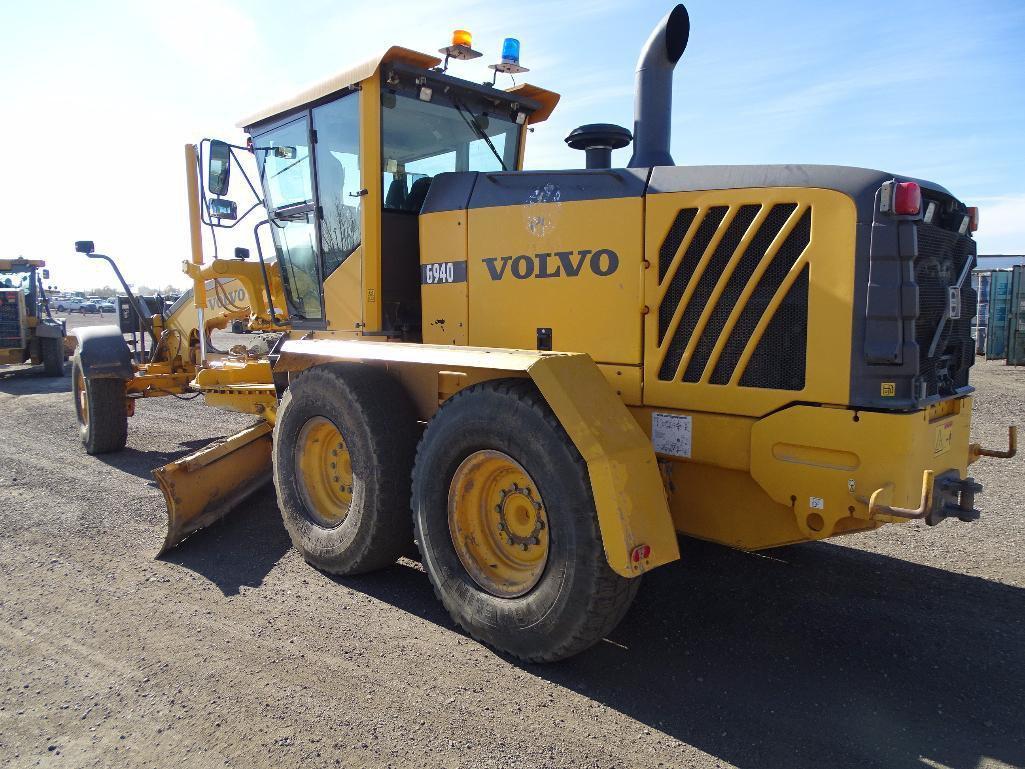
(18, 264)
(349, 77)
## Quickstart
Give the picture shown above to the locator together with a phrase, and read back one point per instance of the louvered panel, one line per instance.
(699, 243)
(746, 266)
(750, 291)
(768, 284)
(779, 360)
(706, 281)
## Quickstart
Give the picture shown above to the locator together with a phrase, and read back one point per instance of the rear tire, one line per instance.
(102, 411)
(344, 441)
(577, 598)
(52, 351)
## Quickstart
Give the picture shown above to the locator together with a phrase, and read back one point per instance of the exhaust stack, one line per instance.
(653, 97)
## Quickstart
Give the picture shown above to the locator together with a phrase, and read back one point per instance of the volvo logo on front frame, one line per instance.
(556, 264)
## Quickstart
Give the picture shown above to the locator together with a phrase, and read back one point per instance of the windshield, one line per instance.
(421, 139)
(16, 279)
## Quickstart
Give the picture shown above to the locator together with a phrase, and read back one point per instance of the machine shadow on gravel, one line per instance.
(32, 381)
(142, 463)
(238, 550)
(808, 656)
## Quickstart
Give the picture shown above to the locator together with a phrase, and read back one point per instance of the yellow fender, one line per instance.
(633, 514)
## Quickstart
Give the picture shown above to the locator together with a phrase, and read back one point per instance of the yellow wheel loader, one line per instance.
(558, 372)
(28, 331)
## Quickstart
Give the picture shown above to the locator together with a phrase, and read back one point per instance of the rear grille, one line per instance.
(778, 358)
(942, 257)
(10, 323)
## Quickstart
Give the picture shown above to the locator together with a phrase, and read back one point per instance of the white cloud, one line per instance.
(1002, 224)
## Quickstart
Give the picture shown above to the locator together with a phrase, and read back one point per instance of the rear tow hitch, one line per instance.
(954, 498)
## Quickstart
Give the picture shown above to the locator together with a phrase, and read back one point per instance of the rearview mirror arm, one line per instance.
(45, 301)
(144, 317)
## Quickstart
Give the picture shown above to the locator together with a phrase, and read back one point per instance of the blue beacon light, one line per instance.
(511, 51)
(510, 63)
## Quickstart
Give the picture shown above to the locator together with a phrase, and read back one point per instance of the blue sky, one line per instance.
(100, 97)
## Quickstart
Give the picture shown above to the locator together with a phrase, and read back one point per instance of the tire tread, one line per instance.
(388, 537)
(612, 595)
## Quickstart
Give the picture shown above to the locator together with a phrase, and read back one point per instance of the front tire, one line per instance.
(507, 528)
(344, 441)
(52, 351)
(102, 411)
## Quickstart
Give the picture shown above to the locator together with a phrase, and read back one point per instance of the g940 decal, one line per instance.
(442, 272)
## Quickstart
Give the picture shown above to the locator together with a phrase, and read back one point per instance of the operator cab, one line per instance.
(345, 168)
(21, 274)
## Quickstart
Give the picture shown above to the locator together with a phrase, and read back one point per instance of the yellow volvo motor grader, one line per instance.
(28, 331)
(572, 367)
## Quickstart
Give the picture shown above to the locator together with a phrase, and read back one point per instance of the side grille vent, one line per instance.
(673, 240)
(738, 281)
(778, 360)
(695, 250)
(758, 302)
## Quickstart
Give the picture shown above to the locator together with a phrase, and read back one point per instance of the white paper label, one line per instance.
(816, 503)
(671, 433)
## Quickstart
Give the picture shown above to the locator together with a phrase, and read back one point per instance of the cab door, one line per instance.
(287, 180)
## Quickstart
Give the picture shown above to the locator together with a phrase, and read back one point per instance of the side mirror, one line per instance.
(219, 167)
(46, 274)
(222, 208)
(288, 153)
(84, 246)
(241, 253)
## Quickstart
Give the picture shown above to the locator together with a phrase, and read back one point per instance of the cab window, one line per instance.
(422, 139)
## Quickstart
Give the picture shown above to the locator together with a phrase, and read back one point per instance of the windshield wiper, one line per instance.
(475, 127)
(291, 212)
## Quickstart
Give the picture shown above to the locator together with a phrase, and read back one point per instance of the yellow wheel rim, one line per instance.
(80, 397)
(324, 470)
(498, 523)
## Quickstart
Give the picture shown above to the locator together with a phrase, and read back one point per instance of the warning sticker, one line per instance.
(671, 434)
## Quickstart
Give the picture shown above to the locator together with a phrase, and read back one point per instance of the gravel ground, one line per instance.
(899, 648)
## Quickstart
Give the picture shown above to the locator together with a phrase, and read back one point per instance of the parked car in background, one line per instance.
(107, 306)
(89, 308)
(69, 304)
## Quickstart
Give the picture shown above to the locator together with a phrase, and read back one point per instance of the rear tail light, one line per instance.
(907, 199)
(901, 198)
(973, 218)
